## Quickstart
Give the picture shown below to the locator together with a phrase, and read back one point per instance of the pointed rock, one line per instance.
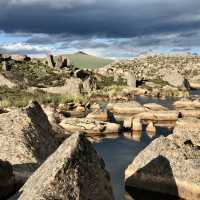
(26, 137)
(73, 171)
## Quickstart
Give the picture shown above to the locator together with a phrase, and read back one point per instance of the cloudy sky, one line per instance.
(110, 28)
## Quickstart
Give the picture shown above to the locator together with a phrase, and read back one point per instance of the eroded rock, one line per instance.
(74, 171)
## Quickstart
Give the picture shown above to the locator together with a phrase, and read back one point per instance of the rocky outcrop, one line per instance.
(72, 86)
(131, 80)
(26, 137)
(170, 164)
(175, 79)
(90, 126)
(62, 62)
(74, 171)
(6, 82)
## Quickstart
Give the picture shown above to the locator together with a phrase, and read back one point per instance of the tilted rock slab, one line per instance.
(73, 172)
(170, 164)
(26, 137)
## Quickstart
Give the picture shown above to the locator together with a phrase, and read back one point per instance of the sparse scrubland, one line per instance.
(44, 102)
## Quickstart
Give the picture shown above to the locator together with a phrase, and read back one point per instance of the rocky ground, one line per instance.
(49, 112)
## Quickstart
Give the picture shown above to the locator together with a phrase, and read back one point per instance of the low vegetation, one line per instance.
(19, 97)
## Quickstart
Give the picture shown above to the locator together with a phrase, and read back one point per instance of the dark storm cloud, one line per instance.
(111, 18)
(111, 27)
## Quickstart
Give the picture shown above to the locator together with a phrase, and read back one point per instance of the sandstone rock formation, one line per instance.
(74, 171)
(26, 137)
(170, 164)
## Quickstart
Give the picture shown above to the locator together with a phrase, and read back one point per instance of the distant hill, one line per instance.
(83, 60)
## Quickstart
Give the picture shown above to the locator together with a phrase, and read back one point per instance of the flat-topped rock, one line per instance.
(89, 126)
(73, 171)
(170, 164)
(130, 108)
(170, 115)
(155, 107)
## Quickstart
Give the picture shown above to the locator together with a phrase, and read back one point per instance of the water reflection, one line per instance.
(135, 135)
(119, 152)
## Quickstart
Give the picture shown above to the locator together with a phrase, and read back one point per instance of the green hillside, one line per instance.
(83, 60)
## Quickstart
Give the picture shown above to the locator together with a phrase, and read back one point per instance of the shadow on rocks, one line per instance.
(150, 184)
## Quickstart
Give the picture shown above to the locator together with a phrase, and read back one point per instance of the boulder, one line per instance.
(156, 116)
(6, 82)
(195, 82)
(72, 86)
(129, 108)
(183, 104)
(62, 62)
(175, 79)
(90, 84)
(95, 106)
(170, 164)
(98, 115)
(131, 80)
(51, 61)
(6, 66)
(72, 110)
(89, 126)
(26, 137)
(73, 171)
(155, 107)
(190, 113)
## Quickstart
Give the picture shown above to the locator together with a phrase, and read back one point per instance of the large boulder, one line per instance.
(170, 164)
(74, 171)
(131, 80)
(129, 108)
(26, 137)
(176, 79)
(72, 86)
(51, 61)
(62, 62)
(90, 126)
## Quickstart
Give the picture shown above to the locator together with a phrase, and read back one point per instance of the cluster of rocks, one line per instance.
(32, 157)
(8, 60)
(59, 62)
(164, 75)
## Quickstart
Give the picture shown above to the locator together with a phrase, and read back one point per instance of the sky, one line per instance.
(107, 28)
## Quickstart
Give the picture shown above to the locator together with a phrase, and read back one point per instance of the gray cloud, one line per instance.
(126, 26)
